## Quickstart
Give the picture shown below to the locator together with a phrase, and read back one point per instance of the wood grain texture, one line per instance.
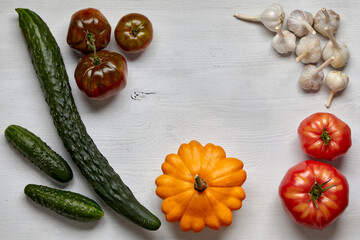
(215, 79)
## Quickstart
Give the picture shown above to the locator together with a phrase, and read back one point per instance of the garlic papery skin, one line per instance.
(300, 23)
(284, 41)
(271, 17)
(312, 77)
(308, 80)
(326, 19)
(337, 49)
(308, 50)
(336, 81)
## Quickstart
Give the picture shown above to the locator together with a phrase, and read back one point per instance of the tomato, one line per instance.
(314, 194)
(134, 32)
(324, 136)
(101, 74)
(88, 24)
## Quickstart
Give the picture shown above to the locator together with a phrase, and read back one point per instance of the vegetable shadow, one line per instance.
(337, 163)
(313, 234)
(132, 56)
(287, 55)
(205, 234)
(97, 105)
(308, 233)
(137, 231)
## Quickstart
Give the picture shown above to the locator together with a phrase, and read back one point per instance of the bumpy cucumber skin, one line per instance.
(68, 204)
(51, 72)
(39, 153)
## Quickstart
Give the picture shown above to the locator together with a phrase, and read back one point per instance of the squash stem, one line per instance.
(90, 37)
(200, 184)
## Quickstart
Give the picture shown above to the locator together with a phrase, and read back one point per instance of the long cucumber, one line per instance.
(51, 72)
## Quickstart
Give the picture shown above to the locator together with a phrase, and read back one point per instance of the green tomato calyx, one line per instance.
(326, 137)
(317, 190)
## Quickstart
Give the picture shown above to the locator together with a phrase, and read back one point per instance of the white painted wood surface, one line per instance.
(215, 79)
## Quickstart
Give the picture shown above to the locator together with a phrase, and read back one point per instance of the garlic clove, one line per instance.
(312, 77)
(308, 50)
(337, 49)
(273, 16)
(284, 41)
(326, 19)
(300, 23)
(336, 81)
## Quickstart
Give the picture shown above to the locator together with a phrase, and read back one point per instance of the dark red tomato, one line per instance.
(102, 75)
(324, 136)
(134, 32)
(86, 26)
(314, 194)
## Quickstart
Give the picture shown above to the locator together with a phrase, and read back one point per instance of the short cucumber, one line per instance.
(39, 153)
(68, 204)
(49, 66)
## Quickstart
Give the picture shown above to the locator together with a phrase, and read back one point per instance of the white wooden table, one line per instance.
(215, 79)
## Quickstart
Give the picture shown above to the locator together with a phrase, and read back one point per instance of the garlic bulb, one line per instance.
(312, 77)
(326, 19)
(337, 49)
(308, 50)
(271, 17)
(284, 41)
(300, 22)
(336, 81)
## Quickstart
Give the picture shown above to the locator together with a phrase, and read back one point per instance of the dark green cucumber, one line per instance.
(39, 153)
(50, 68)
(68, 204)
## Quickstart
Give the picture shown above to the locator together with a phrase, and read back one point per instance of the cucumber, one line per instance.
(51, 72)
(39, 153)
(68, 204)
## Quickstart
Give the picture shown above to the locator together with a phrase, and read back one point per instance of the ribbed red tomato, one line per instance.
(314, 194)
(101, 74)
(324, 136)
(87, 24)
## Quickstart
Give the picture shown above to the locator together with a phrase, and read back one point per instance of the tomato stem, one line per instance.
(90, 38)
(200, 184)
(317, 190)
(326, 137)
(135, 31)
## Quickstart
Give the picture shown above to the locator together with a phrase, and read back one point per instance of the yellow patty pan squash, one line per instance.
(200, 186)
